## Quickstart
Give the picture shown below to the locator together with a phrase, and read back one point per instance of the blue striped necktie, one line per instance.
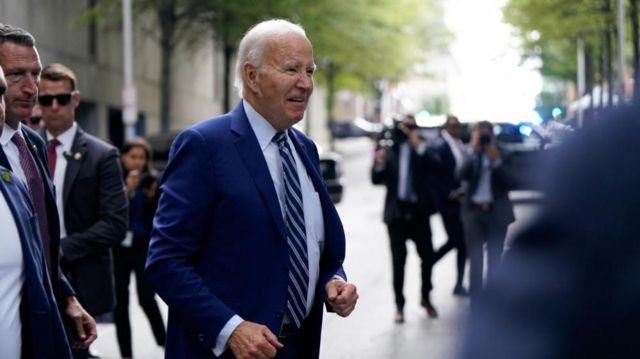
(296, 235)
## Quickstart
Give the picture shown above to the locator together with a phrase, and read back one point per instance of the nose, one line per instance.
(305, 81)
(30, 84)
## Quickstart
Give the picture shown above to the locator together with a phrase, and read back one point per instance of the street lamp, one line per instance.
(129, 95)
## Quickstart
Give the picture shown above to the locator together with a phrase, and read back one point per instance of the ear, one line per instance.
(75, 99)
(250, 73)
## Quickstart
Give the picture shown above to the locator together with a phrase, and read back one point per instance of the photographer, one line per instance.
(404, 166)
(486, 210)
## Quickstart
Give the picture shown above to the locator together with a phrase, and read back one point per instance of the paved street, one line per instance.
(370, 331)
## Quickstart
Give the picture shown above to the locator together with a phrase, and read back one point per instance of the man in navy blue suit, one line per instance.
(30, 325)
(21, 63)
(221, 253)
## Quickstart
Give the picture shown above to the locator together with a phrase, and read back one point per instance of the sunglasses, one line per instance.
(63, 99)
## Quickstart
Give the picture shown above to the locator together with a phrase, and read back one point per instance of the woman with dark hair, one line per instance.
(142, 187)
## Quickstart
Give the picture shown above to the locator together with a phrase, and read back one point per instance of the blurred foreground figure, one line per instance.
(569, 286)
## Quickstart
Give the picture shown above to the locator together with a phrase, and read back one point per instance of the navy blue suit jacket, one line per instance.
(218, 245)
(36, 145)
(42, 328)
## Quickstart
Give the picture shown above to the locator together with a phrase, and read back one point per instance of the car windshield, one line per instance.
(521, 135)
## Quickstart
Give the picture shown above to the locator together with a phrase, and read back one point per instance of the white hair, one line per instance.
(253, 43)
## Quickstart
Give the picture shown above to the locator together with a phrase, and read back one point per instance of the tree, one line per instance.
(550, 30)
(175, 22)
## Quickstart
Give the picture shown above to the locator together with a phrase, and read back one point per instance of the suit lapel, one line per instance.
(74, 162)
(253, 159)
(4, 161)
(328, 209)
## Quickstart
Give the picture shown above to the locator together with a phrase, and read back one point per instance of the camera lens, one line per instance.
(485, 140)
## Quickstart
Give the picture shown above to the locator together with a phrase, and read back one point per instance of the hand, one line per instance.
(380, 158)
(474, 142)
(84, 324)
(342, 297)
(133, 180)
(253, 341)
(414, 138)
(492, 152)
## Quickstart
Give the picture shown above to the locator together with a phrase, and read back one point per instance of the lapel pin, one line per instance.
(77, 156)
(6, 176)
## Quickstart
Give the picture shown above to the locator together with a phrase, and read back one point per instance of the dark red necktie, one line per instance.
(36, 188)
(53, 156)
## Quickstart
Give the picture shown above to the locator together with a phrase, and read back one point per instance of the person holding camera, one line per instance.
(141, 182)
(404, 167)
(486, 210)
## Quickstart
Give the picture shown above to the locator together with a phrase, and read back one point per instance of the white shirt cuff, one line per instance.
(224, 335)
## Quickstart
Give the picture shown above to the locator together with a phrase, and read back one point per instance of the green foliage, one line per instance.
(550, 29)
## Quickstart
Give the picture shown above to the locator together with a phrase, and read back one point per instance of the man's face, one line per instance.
(57, 116)
(3, 89)
(453, 127)
(22, 69)
(284, 82)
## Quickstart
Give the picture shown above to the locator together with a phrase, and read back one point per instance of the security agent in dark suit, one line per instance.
(20, 147)
(90, 193)
(405, 169)
(486, 210)
(31, 326)
(448, 196)
(568, 286)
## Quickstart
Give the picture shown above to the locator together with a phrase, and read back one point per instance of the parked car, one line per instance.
(330, 163)
(331, 171)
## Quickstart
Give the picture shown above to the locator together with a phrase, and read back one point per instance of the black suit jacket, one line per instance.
(423, 167)
(501, 183)
(95, 217)
(36, 145)
(445, 180)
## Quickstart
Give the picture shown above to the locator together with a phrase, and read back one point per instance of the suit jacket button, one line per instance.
(280, 314)
(285, 269)
(201, 337)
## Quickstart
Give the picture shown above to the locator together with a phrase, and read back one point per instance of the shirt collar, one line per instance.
(65, 138)
(448, 137)
(7, 133)
(261, 127)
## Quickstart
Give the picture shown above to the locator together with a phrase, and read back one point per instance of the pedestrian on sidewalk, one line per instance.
(405, 168)
(130, 256)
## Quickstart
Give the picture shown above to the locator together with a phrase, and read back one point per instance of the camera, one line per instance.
(485, 140)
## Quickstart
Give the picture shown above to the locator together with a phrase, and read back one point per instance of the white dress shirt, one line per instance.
(62, 151)
(457, 148)
(11, 283)
(483, 192)
(313, 217)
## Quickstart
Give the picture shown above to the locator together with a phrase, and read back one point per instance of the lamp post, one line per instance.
(129, 95)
